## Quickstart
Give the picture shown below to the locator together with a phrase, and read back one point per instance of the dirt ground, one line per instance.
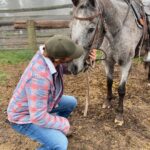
(97, 131)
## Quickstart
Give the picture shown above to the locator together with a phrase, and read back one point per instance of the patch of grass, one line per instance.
(100, 55)
(3, 78)
(138, 60)
(15, 56)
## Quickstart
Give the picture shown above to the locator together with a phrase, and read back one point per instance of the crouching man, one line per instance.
(38, 109)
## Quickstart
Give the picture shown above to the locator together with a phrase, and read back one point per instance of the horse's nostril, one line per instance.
(85, 64)
(74, 69)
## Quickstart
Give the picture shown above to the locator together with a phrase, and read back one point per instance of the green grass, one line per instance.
(138, 59)
(19, 56)
(100, 55)
(3, 78)
(15, 56)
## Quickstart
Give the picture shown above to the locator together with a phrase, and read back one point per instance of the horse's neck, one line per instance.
(112, 15)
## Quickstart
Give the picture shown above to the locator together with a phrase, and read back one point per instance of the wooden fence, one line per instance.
(36, 9)
(29, 33)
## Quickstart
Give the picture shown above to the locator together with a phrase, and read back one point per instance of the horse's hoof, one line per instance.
(106, 105)
(119, 120)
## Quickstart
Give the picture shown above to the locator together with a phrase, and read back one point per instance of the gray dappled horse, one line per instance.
(115, 31)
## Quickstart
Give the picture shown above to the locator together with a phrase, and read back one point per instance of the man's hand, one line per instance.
(92, 55)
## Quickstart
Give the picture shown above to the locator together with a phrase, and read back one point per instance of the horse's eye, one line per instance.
(91, 30)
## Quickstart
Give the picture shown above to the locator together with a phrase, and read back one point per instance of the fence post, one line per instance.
(31, 35)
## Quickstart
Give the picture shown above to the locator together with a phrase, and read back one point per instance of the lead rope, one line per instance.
(92, 65)
(87, 100)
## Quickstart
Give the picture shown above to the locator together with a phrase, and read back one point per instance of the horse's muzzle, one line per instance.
(74, 69)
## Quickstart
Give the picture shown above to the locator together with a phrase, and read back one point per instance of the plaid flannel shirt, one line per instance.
(35, 95)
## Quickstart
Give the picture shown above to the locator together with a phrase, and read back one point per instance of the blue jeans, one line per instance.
(50, 139)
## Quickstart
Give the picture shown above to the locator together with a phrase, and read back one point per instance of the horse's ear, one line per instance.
(92, 2)
(75, 2)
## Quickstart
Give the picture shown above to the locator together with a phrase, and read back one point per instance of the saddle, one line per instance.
(138, 10)
(141, 11)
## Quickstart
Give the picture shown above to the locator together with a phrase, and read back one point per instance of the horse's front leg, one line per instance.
(121, 92)
(109, 69)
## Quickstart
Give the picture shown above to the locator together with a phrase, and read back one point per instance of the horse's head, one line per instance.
(87, 30)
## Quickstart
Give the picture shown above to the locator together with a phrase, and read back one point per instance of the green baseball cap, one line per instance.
(60, 46)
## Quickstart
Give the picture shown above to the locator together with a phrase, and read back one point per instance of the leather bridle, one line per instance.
(98, 14)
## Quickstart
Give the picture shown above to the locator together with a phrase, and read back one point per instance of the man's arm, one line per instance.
(37, 90)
